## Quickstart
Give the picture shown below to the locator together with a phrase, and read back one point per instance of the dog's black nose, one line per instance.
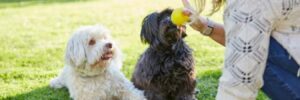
(108, 45)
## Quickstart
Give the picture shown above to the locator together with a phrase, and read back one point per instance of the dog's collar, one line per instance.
(83, 73)
(88, 76)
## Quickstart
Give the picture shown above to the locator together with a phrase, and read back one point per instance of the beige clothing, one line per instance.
(248, 25)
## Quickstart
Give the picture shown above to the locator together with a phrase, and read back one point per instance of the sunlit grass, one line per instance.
(33, 40)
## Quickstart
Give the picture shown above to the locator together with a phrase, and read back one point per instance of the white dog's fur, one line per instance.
(92, 68)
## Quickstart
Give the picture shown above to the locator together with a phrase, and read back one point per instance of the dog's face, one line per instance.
(158, 30)
(91, 50)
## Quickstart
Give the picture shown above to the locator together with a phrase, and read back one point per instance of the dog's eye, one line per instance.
(92, 42)
(167, 28)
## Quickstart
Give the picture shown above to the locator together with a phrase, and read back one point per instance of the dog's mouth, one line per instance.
(107, 55)
(174, 33)
(171, 30)
(181, 29)
(104, 59)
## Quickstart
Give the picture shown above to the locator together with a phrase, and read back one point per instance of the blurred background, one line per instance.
(34, 33)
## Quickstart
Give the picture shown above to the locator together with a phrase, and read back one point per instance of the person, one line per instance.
(262, 47)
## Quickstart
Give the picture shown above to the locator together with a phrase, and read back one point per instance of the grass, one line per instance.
(33, 40)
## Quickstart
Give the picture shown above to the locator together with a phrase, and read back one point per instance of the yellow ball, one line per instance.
(178, 18)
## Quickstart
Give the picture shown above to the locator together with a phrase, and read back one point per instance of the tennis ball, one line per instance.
(178, 18)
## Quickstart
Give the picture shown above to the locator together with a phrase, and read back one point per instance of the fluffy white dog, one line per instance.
(92, 68)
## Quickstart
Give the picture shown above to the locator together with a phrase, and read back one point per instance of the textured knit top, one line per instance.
(248, 26)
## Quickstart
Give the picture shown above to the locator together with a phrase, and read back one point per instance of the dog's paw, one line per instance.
(197, 91)
(56, 83)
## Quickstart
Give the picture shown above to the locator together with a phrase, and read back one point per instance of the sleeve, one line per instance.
(248, 25)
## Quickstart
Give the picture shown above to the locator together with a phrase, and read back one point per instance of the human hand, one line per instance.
(196, 22)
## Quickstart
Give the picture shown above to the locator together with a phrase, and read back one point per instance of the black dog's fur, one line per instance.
(165, 71)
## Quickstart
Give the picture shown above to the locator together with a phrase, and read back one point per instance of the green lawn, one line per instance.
(33, 37)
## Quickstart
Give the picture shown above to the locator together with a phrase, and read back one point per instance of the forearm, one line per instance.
(218, 34)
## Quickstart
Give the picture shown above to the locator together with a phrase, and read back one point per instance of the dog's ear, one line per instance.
(150, 26)
(75, 51)
(165, 12)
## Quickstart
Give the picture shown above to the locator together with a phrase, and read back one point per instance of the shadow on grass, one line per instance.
(208, 83)
(42, 93)
(24, 3)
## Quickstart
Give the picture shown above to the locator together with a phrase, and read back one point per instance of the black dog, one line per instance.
(165, 71)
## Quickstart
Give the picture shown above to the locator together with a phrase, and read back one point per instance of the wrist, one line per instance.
(199, 24)
(208, 29)
(203, 25)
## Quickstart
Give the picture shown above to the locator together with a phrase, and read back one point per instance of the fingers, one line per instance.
(186, 3)
(191, 12)
(187, 12)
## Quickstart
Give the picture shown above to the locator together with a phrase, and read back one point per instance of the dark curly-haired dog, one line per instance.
(165, 71)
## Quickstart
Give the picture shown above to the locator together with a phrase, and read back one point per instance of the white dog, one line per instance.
(92, 68)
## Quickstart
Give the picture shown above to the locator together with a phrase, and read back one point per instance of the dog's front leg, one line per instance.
(128, 92)
(58, 82)
(131, 93)
(186, 97)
